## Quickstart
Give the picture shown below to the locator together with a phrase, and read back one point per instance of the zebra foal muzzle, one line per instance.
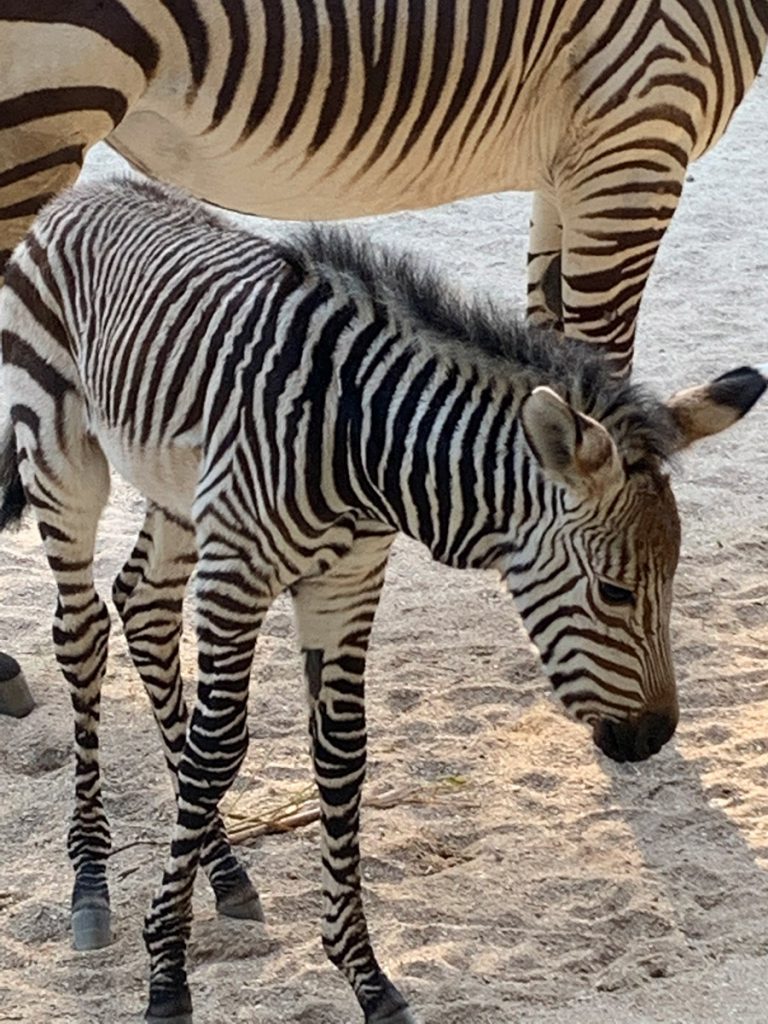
(634, 740)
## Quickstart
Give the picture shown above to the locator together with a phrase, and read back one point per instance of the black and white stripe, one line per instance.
(329, 110)
(286, 408)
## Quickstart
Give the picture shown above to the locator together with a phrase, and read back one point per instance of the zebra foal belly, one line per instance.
(165, 474)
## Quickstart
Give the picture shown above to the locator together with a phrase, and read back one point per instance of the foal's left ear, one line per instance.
(710, 408)
(571, 448)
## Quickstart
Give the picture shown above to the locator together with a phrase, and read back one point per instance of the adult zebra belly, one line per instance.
(291, 184)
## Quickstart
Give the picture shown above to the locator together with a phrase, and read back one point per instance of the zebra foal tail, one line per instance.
(13, 500)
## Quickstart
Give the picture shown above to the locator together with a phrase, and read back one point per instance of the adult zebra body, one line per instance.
(286, 409)
(310, 110)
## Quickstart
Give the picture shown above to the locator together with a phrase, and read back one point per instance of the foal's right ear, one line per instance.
(710, 408)
(571, 448)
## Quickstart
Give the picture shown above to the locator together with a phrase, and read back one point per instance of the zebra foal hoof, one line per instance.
(91, 927)
(390, 1008)
(237, 898)
(15, 698)
(248, 909)
(400, 1016)
(174, 1009)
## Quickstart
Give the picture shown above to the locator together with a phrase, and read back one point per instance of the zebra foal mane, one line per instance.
(411, 290)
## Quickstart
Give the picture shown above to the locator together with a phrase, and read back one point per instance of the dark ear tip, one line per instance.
(739, 388)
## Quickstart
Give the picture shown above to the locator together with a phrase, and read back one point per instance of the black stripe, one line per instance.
(271, 68)
(702, 21)
(733, 54)
(336, 90)
(59, 157)
(28, 207)
(17, 282)
(614, 70)
(194, 31)
(18, 352)
(414, 41)
(406, 413)
(505, 32)
(375, 71)
(34, 106)
(442, 47)
(110, 20)
(239, 46)
(305, 73)
(473, 55)
(748, 35)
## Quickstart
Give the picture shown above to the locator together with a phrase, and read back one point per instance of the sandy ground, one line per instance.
(551, 885)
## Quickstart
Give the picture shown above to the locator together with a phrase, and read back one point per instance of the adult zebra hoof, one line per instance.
(237, 898)
(177, 1018)
(15, 698)
(90, 927)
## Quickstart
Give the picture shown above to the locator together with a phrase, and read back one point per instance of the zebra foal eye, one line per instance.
(612, 593)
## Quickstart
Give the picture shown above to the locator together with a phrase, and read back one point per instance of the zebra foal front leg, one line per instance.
(232, 599)
(334, 614)
(149, 594)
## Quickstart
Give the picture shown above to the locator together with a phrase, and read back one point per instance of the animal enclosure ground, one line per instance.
(551, 885)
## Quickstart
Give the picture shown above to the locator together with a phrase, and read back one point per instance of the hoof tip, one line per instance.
(90, 928)
(246, 910)
(15, 698)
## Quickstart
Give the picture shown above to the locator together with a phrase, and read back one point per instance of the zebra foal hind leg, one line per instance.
(334, 614)
(232, 598)
(68, 490)
(149, 593)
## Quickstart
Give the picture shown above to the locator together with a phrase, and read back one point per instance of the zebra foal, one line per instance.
(286, 409)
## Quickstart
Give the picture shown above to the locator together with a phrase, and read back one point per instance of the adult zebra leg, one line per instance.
(232, 599)
(149, 594)
(334, 615)
(545, 300)
(68, 501)
(613, 225)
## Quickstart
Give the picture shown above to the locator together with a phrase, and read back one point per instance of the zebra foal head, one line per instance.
(593, 581)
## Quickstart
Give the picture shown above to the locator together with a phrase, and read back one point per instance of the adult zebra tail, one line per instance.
(12, 495)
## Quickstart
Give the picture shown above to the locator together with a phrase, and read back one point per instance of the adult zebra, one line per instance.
(286, 408)
(326, 110)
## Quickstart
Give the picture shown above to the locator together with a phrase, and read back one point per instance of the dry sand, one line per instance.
(552, 886)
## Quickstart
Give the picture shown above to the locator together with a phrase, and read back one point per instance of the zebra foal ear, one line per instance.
(571, 448)
(710, 408)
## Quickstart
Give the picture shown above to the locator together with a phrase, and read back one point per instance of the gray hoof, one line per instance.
(245, 910)
(240, 899)
(15, 698)
(390, 1007)
(402, 1016)
(90, 927)
(178, 1018)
